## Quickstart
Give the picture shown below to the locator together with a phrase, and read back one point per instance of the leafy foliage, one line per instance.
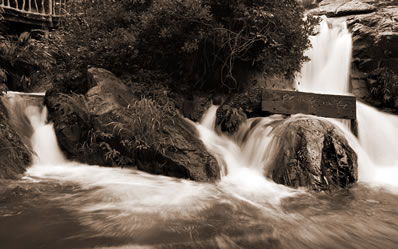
(148, 118)
(386, 87)
(22, 59)
(212, 44)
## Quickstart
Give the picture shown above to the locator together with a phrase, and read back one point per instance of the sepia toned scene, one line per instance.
(225, 124)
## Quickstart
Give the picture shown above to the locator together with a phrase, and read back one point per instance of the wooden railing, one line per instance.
(46, 10)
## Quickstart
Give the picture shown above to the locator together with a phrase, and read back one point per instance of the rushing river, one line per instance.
(62, 204)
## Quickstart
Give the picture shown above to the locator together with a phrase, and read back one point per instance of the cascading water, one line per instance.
(62, 204)
(327, 71)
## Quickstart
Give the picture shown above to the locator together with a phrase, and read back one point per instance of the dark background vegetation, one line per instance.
(201, 44)
(208, 45)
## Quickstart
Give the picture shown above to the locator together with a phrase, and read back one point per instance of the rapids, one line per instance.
(63, 204)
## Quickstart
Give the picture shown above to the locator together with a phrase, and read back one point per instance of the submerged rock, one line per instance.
(14, 155)
(310, 152)
(112, 126)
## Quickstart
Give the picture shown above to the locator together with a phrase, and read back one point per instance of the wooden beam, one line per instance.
(324, 105)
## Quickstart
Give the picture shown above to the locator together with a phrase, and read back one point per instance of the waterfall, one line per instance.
(43, 141)
(118, 193)
(328, 72)
(328, 69)
(243, 158)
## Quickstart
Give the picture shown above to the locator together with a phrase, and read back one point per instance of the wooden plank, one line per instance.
(324, 105)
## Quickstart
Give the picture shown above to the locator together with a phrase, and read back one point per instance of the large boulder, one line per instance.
(313, 153)
(14, 155)
(112, 126)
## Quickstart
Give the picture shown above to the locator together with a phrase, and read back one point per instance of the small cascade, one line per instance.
(243, 157)
(327, 72)
(43, 140)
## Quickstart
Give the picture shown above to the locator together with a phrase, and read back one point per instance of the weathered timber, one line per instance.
(324, 105)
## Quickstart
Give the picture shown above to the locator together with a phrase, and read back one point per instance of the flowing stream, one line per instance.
(63, 204)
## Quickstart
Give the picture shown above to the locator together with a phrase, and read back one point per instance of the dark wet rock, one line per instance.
(249, 101)
(14, 155)
(3, 88)
(312, 153)
(375, 37)
(75, 80)
(336, 8)
(193, 107)
(112, 126)
(229, 119)
(72, 124)
(176, 150)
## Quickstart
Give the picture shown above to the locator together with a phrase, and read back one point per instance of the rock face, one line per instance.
(111, 126)
(229, 119)
(336, 8)
(3, 88)
(14, 155)
(310, 152)
(375, 39)
(249, 101)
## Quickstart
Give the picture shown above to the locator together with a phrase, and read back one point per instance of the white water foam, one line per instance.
(243, 160)
(122, 192)
(121, 197)
(328, 72)
(330, 59)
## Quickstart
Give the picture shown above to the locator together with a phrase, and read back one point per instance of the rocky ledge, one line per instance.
(111, 126)
(336, 8)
